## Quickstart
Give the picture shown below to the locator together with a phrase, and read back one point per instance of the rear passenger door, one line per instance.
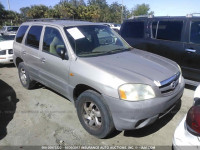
(54, 70)
(31, 49)
(191, 59)
(167, 35)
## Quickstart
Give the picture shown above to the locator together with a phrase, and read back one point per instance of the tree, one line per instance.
(142, 9)
(12, 18)
(37, 11)
(66, 10)
(51, 13)
(24, 11)
(77, 3)
(2, 14)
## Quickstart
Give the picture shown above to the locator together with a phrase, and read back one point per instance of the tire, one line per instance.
(94, 114)
(24, 77)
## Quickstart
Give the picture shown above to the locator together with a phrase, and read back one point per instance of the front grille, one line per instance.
(169, 84)
(10, 51)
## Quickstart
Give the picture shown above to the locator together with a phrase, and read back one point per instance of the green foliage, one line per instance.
(95, 10)
(142, 9)
(37, 11)
(9, 17)
(24, 11)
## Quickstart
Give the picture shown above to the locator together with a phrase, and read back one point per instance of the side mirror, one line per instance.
(62, 53)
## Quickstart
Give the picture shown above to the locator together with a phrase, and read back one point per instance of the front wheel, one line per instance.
(94, 114)
(24, 77)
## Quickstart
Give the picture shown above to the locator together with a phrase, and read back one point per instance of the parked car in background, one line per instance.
(177, 38)
(9, 30)
(187, 134)
(111, 84)
(6, 49)
(115, 27)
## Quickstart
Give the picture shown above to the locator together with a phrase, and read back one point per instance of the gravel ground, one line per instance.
(42, 117)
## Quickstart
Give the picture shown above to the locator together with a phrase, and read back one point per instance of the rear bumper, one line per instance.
(134, 115)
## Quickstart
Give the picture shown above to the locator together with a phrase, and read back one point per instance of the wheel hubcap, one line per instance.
(23, 76)
(92, 115)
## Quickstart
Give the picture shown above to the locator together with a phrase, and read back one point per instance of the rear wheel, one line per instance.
(24, 77)
(94, 114)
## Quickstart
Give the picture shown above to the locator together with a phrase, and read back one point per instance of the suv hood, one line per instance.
(135, 66)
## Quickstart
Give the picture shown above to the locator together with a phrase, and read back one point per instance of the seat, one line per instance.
(53, 46)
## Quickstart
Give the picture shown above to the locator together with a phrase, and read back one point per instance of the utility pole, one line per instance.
(9, 10)
(8, 4)
(122, 11)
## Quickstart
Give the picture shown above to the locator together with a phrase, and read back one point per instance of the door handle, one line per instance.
(190, 50)
(24, 52)
(43, 60)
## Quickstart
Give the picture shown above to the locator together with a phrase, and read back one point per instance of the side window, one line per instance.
(133, 30)
(195, 32)
(52, 41)
(21, 33)
(33, 37)
(169, 30)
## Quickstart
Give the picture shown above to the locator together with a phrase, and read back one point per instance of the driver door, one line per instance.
(54, 70)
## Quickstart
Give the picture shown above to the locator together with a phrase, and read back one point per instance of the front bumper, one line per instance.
(134, 115)
(184, 140)
(6, 59)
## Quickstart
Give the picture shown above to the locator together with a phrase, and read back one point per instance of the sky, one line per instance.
(160, 7)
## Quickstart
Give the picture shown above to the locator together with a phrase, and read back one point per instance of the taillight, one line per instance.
(193, 119)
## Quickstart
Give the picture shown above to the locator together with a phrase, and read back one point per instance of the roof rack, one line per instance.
(51, 19)
(193, 15)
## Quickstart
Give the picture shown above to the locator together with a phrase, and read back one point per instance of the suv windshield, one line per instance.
(6, 37)
(94, 40)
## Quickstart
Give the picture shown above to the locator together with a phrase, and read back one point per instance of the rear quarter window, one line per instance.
(21, 33)
(133, 30)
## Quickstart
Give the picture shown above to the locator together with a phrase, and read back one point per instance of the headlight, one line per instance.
(3, 52)
(136, 92)
(180, 74)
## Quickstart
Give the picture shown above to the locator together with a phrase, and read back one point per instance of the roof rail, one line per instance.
(41, 19)
(51, 19)
(192, 15)
(142, 16)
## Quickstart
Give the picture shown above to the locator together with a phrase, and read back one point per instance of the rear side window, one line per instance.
(33, 37)
(169, 30)
(133, 30)
(21, 33)
(195, 32)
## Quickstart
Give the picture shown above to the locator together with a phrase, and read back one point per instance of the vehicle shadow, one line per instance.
(8, 101)
(190, 87)
(160, 123)
(7, 65)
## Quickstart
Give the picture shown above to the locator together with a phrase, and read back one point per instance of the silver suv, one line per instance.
(112, 85)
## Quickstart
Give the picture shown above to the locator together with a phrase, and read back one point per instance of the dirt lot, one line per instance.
(42, 117)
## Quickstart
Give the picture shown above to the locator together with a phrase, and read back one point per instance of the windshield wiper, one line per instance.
(117, 50)
(88, 52)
